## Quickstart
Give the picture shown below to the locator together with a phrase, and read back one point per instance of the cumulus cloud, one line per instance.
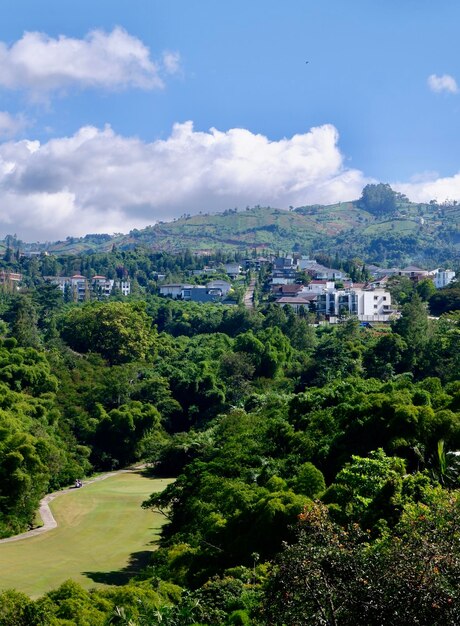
(98, 181)
(41, 64)
(11, 125)
(435, 188)
(444, 83)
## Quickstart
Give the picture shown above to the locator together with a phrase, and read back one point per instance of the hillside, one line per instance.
(409, 233)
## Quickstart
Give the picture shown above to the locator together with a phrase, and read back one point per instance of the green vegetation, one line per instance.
(307, 460)
(382, 226)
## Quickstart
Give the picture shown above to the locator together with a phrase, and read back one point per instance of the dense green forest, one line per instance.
(317, 467)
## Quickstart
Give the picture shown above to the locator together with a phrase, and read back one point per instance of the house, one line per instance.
(318, 286)
(283, 277)
(326, 273)
(381, 271)
(304, 263)
(200, 293)
(372, 303)
(124, 286)
(283, 262)
(223, 285)
(10, 279)
(286, 290)
(414, 273)
(171, 290)
(193, 293)
(204, 272)
(233, 270)
(297, 302)
(79, 287)
(318, 271)
(103, 286)
(378, 282)
(76, 286)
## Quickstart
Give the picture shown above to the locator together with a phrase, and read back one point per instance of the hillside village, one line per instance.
(292, 280)
(296, 281)
(308, 286)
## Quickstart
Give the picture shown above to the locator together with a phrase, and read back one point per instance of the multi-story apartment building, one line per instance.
(79, 288)
(365, 304)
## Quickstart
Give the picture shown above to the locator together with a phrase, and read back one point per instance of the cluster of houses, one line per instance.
(77, 287)
(330, 294)
(440, 277)
(368, 303)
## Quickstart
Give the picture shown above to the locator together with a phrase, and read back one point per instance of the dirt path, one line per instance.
(45, 512)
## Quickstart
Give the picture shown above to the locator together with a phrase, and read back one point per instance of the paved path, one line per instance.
(45, 512)
(249, 295)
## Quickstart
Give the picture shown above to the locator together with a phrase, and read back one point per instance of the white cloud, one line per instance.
(11, 125)
(440, 189)
(444, 83)
(40, 64)
(171, 62)
(98, 181)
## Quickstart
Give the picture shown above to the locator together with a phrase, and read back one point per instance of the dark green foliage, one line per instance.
(414, 328)
(445, 300)
(23, 318)
(310, 481)
(379, 199)
(119, 433)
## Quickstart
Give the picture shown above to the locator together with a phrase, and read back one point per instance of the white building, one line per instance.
(318, 286)
(81, 288)
(367, 305)
(443, 277)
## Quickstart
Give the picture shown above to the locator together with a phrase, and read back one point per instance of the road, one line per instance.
(248, 299)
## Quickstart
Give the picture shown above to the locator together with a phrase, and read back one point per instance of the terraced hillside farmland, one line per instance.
(409, 233)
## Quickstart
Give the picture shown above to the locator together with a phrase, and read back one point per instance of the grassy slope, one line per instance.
(102, 533)
(332, 228)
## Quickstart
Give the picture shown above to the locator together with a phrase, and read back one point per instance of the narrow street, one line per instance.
(248, 299)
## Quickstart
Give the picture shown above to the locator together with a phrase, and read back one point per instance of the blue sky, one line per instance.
(116, 114)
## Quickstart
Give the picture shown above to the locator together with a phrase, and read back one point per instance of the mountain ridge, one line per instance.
(410, 232)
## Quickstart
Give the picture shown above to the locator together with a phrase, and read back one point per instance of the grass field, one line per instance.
(103, 537)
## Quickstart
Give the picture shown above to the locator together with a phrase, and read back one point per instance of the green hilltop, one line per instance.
(391, 230)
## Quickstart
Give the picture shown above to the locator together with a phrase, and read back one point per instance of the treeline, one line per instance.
(339, 442)
(139, 264)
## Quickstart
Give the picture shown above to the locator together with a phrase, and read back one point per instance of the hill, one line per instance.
(408, 233)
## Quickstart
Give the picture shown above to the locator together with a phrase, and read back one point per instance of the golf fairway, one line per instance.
(103, 536)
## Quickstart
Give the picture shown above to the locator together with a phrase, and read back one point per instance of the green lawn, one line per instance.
(102, 537)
